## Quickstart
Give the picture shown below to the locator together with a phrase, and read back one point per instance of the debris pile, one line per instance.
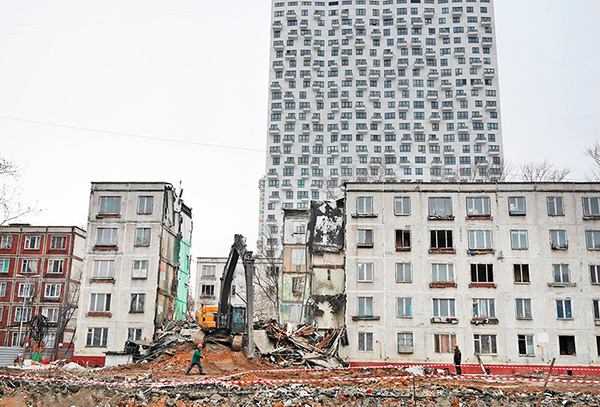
(304, 345)
(173, 333)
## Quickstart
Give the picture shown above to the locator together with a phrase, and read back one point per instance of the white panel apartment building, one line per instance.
(510, 271)
(374, 90)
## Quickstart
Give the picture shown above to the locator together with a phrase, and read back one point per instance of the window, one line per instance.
(595, 273)
(521, 272)
(32, 242)
(2, 289)
(596, 309)
(51, 314)
(52, 291)
(591, 207)
(484, 308)
(403, 240)
(6, 242)
(58, 243)
(592, 239)
(566, 345)
(365, 237)
(297, 285)
(103, 269)
(26, 314)
(440, 208)
(26, 290)
(405, 343)
(365, 306)
(441, 240)
(209, 271)
(563, 309)
(558, 239)
(4, 265)
(110, 205)
(299, 228)
(140, 269)
(106, 237)
(137, 303)
(207, 290)
(298, 257)
(403, 273)
(145, 204)
(56, 266)
(134, 334)
(485, 344)
(444, 343)
(516, 205)
(560, 273)
(18, 339)
(482, 273)
(404, 307)
(526, 345)
(402, 205)
(100, 302)
(598, 344)
(365, 272)
(444, 308)
(480, 240)
(29, 266)
(364, 205)
(523, 308)
(97, 337)
(478, 206)
(518, 239)
(442, 273)
(555, 206)
(365, 341)
(142, 237)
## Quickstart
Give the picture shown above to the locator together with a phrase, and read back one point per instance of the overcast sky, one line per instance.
(188, 74)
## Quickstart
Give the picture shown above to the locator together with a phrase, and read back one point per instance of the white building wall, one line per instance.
(384, 289)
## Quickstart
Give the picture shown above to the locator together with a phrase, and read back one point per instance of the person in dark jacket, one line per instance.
(196, 360)
(457, 360)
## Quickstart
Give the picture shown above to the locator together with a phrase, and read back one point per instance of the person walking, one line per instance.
(457, 360)
(196, 360)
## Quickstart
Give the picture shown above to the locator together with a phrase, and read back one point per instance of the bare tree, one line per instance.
(593, 151)
(544, 171)
(267, 278)
(66, 322)
(11, 208)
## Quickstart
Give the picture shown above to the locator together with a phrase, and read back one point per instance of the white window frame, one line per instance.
(207, 267)
(592, 239)
(438, 343)
(298, 257)
(402, 206)
(32, 242)
(558, 239)
(4, 266)
(484, 308)
(555, 206)
(596, 309)
(403, 272)
(364, 306)
(444, 307)
(405, 342)
(103, 269)
(30, 266)
(486, 344)
(107, 236)
(6, 241)
(364, 205)
(480, 240)
(364, 272)
(142, 237)
(442, 273)
(137, 303)
(403, 307)
(18, 314)
(528, 343)
(478, 206)
(404, 233)
(49, 340)
(50, 313)
(519, 240)
(52, 290)
(591, 207)
(440, 207)
(139, 269)
(100, 302)
(26, 290)
(517, 206)
(523, 308)
(134, 334)
(366, 341)
(145, 205)
(365, 236)
(561, 273)
(486, 268)
(16, 341)
(100, 333)
(58, 242)
(113, 209)
(299, 228)
(2, 289)
(594, 273)
(56, 264)
(562, 306)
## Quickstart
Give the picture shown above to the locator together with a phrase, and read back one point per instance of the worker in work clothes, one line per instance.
(457, 360)
(196, 360)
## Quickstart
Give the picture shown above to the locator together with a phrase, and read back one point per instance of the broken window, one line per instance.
(140, 269)
(403, 273)
(518, 240)
(365, 341)
(516, 205)
(479, 206)
(485, 344)
(404, 307)
(364, 205)
(103, 269)
(402, 205)
(591, 207)
(444, 308)
(442, 273)
(563, 309)
(484, 308)
(365, 272)
(595, 273)
(297, 285)
(444, 343)
(555, 206)
(560, 273)
(566, 345)
(480, 240)
(441, 240)
(145, 204)
(97, 337)
(440, 208)
(526, 345)
(521, 272)
(142, 237)
(523, 308)
(403, 240)
(110, 205)
(365, 237)
(558, 239)
(405, 342)
(592, 239)
(100, 302)
(365, 306)
(137, 303)
(134, 334)
(207, 290)
(482, 273)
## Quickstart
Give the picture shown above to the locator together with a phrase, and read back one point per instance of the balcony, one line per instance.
(388, 54)
(359, 44)
(274, 130)
(401, 43)
(416, 43)
(403, 106)
(416, 22)
(489, 73)
(376, 118)
(403, 84)
(472, 32)
(401, 23)
(486, 21)
(272, 175)
(476, 117)
(275, 151)
(446, 84)
(290, 15)
(461, 95)
(434, 118)
(277, 25)
(359, 23)
(278, 45)
(376, 34)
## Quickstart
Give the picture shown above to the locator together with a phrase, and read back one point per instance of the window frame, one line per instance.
(555, 206)
(404, 202)
(589, 211)
(446, 244)
(514, 206)
(403, 240)
(487, 273)
(113, 237)
(487, 243)
(594, 270)
(367, 267)
(561, 270)
(402, 344)
(143, 236)
(521, 273)
(364, 206)
(404, 307)
(103, 209)
(142, 205)
(25, 266)
(209, 266)
(52, 290)
(32, 242)
(363, 236)
(523, 309)
(593, 237)
(96, 270)
(6, 241)
(54, 240)
(438, 343)
(519, 235)
(451, 308)
(365, 341)
(139, 273)
(562, 308)
(472, 207)
(364, 306)
(95, 305)
(91, 336)
(51, 266)
(478, 343)
(406, 270)
(4, 266)
(205, 291)
(558, 239)
(487, 311)
(440, 212)
(137, 303)
(528, 345)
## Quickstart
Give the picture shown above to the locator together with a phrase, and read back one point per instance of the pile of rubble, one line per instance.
(304, 345)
